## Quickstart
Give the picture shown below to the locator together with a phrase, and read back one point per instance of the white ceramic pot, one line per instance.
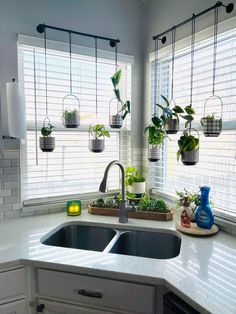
(137, 188)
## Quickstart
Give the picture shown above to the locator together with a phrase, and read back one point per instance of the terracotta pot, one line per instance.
(47, 144)
(172, 126)
(190, 158)
(96, 145)
(154, 154)
(116, 121)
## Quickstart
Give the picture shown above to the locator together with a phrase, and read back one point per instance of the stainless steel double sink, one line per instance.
(160, 244)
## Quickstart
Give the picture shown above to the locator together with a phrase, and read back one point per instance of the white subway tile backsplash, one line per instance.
(5, 192)
(11, 170)
(11, 199)
(11, 185)
(5, 163)
(11, 154)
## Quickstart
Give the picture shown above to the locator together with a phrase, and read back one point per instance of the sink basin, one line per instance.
(160, 245)
(83, 237)
(163, 244)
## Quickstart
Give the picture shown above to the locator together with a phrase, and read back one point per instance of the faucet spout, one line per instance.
(123, 217)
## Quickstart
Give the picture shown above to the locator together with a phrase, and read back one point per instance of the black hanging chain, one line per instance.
(215, 48)
(46, 71)
(173, 61)
(96, 73)
(116, 56)
(155, 75)
(192, 59)
(70, 62)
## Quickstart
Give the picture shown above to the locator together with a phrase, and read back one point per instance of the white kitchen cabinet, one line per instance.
(104, 295)
(12, 284)
(52, 307)
(16, 307)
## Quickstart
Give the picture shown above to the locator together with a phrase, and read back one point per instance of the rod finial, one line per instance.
(163, 40)
(113, 43)
(229, 8)
(40, 28)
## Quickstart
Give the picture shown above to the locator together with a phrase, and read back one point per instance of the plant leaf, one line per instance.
(116, 78)
(189, 110)
(178, 109)
(165, 100)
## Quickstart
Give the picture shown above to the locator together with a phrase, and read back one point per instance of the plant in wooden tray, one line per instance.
(134, 181)
(122, 107)
(156, 136)
(150, 204)
(98, 133)
(105, 203)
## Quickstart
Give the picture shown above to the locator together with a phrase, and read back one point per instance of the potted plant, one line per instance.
(170, 116)
(149, 204)
(212, 125)
(134, 181)
(123, 108)
(188, 148)
(71, 118)
(156, 136)
(97, 142)
(46, 141)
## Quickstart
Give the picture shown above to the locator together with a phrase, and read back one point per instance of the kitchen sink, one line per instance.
(83, 237)
(160, 244)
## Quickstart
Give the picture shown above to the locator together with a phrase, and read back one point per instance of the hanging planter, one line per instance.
(156, 136)
(212, 125)
(115, 120)
(46, 141)
(97, 134)
(71, 117)
(118, 110)
(188, 148)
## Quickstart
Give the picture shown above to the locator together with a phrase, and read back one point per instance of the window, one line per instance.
(217, 165)
(71, 168)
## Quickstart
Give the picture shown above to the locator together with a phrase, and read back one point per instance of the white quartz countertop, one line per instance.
(204, 273)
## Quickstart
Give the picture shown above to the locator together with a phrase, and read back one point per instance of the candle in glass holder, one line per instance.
(73, 208)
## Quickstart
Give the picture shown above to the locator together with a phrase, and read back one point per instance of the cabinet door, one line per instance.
(52, 307)
(17, 307)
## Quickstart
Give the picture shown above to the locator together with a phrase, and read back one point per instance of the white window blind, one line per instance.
(71, 168)
(217, 165)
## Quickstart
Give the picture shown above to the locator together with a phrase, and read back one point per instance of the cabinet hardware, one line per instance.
(40, 308)
(90, 294)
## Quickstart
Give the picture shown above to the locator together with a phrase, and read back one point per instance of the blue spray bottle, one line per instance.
(204, 214)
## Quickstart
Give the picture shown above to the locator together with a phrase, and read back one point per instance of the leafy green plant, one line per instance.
(152, 205)
(194, 198)
(98, 131)
(47, 130)
(70, 115)
(156, 132)
(169, 114)
(187, 143)
(125, 106)
(132, 175)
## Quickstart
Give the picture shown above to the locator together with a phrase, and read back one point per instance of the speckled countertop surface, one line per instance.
(204, 273)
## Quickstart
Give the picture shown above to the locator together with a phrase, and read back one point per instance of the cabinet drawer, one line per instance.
(17, 307)
(12, 283)
(105, 293)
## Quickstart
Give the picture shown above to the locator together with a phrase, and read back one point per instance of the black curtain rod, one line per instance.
(229, 8)
(41, 28)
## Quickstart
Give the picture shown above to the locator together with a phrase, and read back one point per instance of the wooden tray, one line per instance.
(195, 230)
(138, 215)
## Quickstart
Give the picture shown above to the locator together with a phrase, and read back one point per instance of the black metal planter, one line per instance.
(154, 154)
(172, 126)
(96, 145)
(116, 121)
(47, 144)
(190, 158)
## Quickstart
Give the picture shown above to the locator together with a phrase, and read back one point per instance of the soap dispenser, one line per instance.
(204, 214)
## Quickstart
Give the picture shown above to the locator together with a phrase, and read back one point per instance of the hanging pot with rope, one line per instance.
(212, 124)
(115, 120)
(71, 103)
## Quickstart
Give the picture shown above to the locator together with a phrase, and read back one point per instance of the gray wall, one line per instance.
(111, 18)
